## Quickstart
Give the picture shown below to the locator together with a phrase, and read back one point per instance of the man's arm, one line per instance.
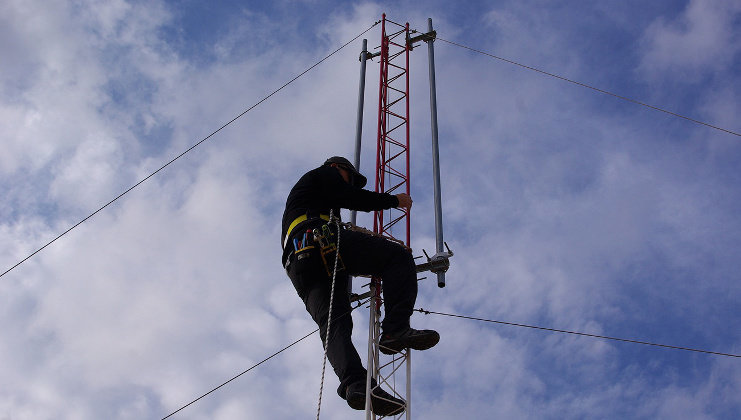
(343, 195)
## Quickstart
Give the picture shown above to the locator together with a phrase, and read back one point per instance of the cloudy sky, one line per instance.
(566, 208)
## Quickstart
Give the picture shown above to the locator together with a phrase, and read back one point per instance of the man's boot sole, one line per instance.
(356, 401)
(384, 407)
(379, 405)
(417, 343)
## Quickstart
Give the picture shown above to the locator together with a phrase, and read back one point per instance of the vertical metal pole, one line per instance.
(408, 173)
(374, 306)
(359, 132)
(372, 354)
(359, 123)
(409, 385)
(435, 154)
(409, 217)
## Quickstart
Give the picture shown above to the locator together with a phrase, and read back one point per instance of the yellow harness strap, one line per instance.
(295, 223)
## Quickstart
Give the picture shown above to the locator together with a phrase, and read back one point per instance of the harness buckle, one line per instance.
(327, 247)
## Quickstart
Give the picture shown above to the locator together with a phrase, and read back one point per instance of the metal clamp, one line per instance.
(426, 37)
(438, 263)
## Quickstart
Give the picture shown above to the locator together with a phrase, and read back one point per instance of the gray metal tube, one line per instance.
(359, 130)
(372, 363)
(409, 384)
(435, 154)
(359, 123)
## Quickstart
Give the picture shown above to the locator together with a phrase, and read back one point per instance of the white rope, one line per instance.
(329, 317)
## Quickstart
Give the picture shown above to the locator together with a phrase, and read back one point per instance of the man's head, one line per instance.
(347, 170)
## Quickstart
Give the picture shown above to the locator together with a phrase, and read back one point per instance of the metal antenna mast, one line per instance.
(392, 176)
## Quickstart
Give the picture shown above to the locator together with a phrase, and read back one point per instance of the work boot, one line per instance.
(382, 403)
(408, 338)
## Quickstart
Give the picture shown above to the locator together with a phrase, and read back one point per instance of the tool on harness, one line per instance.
(328, 248)
(298, 221)
(300, 247)
(303, 245)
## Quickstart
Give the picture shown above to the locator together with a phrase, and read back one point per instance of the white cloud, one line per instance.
(559, 212)
(701, 40)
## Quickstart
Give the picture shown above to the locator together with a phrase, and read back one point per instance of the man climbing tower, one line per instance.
(324, 190)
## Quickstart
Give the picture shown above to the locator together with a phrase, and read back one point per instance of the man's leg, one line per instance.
(372, 255)
(313, 286)
(368, 254)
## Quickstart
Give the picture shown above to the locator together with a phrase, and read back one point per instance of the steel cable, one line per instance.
(590, 87)
(189, 149)
(604, 337)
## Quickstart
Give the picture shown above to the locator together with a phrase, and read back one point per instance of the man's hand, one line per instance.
(405, 201)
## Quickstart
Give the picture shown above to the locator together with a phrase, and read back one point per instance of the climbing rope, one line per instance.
(336, 221)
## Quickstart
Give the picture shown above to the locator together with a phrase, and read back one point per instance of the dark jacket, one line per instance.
(322, 189)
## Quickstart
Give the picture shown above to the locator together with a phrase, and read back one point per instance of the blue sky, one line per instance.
(566, 208)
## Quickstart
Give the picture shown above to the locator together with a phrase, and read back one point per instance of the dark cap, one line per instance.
(358, 179)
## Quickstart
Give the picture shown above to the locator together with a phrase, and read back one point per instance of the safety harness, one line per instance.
(323, 238)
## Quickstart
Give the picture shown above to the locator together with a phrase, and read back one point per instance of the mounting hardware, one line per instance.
(438, 263)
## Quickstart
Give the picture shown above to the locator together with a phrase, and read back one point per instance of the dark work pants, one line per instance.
(362, 254)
